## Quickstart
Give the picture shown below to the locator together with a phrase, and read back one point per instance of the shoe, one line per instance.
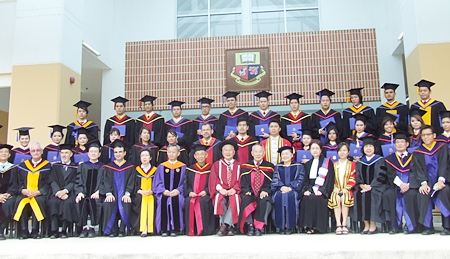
(112, 235)
(143, 234)
(445, 232)
(230, 231)
(338, 230)
(427, 232)
(173, 234)
(91, 233)
(121, 234)
(83, 234)
(2, 237)
(288, 232)
(23, 237)
(373, 232)
(258, 233)
(53, 236)
(407, 232)
(393, 231)
(36, 236)
(251, 230)
(164, 234)
(63, 236)
(365, 232)
(223, 230)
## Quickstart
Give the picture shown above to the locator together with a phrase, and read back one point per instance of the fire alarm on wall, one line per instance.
(72, 80)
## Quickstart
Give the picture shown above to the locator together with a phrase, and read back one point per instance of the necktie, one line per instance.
(264, 113)
(229, 172)
(206, 142)
(257, 179)
(242, 139)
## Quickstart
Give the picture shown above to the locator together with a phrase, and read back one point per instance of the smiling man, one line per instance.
(392, 106)
(123, 122)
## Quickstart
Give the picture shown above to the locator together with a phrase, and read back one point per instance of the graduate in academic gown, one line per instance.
(123, 122)
(357, 108)
(256, 194)
(244, 141)
(172, 139)
(230, 117)
(181, 125)
(61, 202)
(321, 118)
(262, 116)
(386, 136)
(205, 117)
(429, 174)
(391, 106)
(209, 141)
(7, 179)
(81, 122)
(295, 121)
(152, 121)
(356, 139)
(445, 121)
(342, 198)
(21, 153)
(144, 200)
(32, 190)
(118, 186)
(286, 185)
(432, 106)
(169, 192)
(371, 182)
(274, 142)
(316, 190)
(51, 151)
(416, 123)
(87, 191)
(198, 208)
(398, 199)
(224, 188)
(329, 149)
(107, 150)
(143, 143)
(80, 151)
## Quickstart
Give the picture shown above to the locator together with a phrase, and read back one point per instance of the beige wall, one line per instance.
(431, 62)
(42, 95)
(4, 123)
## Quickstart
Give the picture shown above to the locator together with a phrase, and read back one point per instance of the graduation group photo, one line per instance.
(268, 128)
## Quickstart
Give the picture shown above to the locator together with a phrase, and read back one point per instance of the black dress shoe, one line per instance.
(164, 234)
(91, 233)
(445, 232)
(63, 236)
(2, 237)
(23, 237)
(112, 235)
(173, 234)
(258, 233)
(54, 236)
(373, 232)
(365, 232)
(121, 234)
(84, 233)
(288, 232)
(223, 231)
(230, 231)
(36, 236)
(251, 230)
(427, 232)
(393, 231)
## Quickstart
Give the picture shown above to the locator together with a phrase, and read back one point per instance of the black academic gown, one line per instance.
(71, 135)
(107, 153)
(428, 165)
(252, 204)
(200, 120)
(162, 156)
(259, 118)
(368, 205)
(7, 185)
(184, 130)
(314, 209)
(395, 203)
(117, 180)
(61, 179)
(443, 139)
(433, 107)
(88, 181)
(134, 157)
(155, 123)
(129, 128)
(319, 116)
(302, 119)
(397, 108)
(198, 210)
(19, 155)
(348, 113)
(229, 119)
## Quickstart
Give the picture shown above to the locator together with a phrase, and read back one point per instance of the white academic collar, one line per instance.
(146, 168)
(229, 162)
(403, 153)
(36, 163)
(370, 158)
(149, 114)
(82, 121)
(391, 103)
(172, 163)
(274, 138)
(425, 101)
(357, 107)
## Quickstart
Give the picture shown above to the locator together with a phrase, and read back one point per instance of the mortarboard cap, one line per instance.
(369, 140)
(283, 148)
(118, 143)
(444, 114)
(119, 99)
(231, 94)
(417, 112)
(2, 146)
(424, 83)
(205, 100)
(387, 86)
(199, 147)
(148, 98)
(57, 128)
(24, 131)
(93, 143)
(361, 117)
(325, 92)
(294, 96)
(263, 94)
(402, 135)
(331, 126)
(175, 103)
(81, 131)
(355, 91)
(228, 142)
(307, 132)
(82, 104)
(389, 116)
(65, 147)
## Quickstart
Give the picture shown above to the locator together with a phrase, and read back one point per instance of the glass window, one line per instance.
(301, 3)
(259, 5)
(268, 22)
(192, 27)
(186, 7)
(226, 25)
(222, 6)
(302, 20)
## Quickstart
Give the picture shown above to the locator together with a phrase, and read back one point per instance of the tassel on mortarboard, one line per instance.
(347, 98)
(51, 131)
(17, 137)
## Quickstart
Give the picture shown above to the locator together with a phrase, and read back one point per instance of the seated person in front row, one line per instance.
(118, 185)
(429, 175)
(286, 186)
(199, 217)
(168, 189)
(61, 202)
(256, 177)
(32, 189)
(274, 142)
(8, 177)
(224, 188)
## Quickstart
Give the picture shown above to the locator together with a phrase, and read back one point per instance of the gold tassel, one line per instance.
(347, 99)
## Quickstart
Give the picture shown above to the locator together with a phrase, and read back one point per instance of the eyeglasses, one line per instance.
(35, 150)
(426, 134)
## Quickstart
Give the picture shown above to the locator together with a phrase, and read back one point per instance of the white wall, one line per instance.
(7, 27)
(358, 14)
